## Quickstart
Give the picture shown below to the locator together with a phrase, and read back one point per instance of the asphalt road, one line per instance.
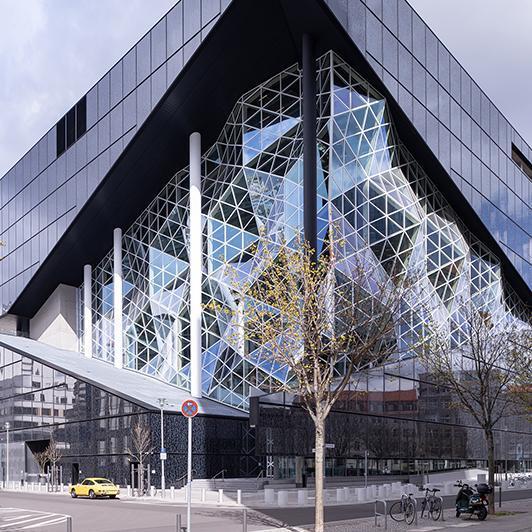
(105, 515)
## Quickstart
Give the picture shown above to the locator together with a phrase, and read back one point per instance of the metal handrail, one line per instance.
(385, 514)
(259, 476)
(182, 479)
(222, 473)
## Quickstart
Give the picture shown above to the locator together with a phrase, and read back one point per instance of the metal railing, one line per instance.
(181, 482)
(259, 476)
(221, 474)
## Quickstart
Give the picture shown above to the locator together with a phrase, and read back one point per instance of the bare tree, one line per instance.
(522, 390)
(480, 370)
(53, 455)
(141, 448)
(41, 459)
(318, 320)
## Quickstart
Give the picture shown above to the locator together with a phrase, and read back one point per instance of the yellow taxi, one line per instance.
(94, 487)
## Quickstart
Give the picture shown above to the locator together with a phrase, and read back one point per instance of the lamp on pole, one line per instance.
(7, 453)
(162, 404)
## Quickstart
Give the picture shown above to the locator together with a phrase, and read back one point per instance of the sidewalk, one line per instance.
(517, 518)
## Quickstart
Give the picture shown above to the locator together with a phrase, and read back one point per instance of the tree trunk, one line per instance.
(491, 469)
(141, 479)
(318, 468)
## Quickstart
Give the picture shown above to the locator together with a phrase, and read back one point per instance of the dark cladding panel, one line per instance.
(143, 58)
(389, 15)
(130, 111)
(143, 101)
(103, 96)
(174, 29)
(374, 36)
(443, 66)
(116, 84)
(129, 72)
(375, 6)
(191, 18)
(158, 44)
(356, 20)
(418, 38)
(389, 52)
(404, 15)
(209, 10)
(158, 85)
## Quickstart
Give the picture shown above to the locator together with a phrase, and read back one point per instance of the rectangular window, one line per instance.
(61, 136)
(71, 127)
(81, 117)
(520, 160)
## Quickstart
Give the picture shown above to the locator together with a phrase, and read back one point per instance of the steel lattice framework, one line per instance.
(386, 206)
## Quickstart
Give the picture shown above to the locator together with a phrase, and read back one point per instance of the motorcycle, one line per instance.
(471, 501)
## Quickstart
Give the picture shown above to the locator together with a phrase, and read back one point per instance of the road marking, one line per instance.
(28, 519)
(46, 523)
(18, 522)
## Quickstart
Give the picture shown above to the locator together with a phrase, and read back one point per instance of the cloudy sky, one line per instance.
(53, 51)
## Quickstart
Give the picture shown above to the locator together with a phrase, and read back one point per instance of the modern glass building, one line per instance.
(227, 121)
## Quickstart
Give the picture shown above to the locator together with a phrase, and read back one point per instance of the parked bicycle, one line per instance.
(404, 510)
(431, 504)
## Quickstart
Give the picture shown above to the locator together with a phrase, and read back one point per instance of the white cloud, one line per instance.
(493, 42)
(52, 52)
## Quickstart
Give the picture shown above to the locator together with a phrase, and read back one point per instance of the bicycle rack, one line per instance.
(385, 514)
(415, 509)
(441, 502)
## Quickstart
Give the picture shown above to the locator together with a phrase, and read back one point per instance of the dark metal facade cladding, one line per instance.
(93, 428)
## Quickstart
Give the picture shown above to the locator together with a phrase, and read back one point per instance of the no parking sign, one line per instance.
(189, 408)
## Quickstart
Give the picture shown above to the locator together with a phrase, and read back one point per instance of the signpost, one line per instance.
(189, 409)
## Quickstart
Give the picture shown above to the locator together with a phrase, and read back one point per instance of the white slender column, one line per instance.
(117, 296)
(87, 310)
(196, 246)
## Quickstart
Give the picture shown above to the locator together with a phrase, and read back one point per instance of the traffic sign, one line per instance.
(189, 408)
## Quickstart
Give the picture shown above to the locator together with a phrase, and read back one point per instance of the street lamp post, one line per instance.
(7, 453)
(162, 403)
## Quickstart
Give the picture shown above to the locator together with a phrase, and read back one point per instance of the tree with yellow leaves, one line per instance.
(325, 318)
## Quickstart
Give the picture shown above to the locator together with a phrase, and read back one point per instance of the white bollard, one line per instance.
(152, 491)
(301, 497)
(172, 492)
(340, 497)
(203, 494)
(282, 498)
(220, 496)
(269, 496)
(239, 496)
